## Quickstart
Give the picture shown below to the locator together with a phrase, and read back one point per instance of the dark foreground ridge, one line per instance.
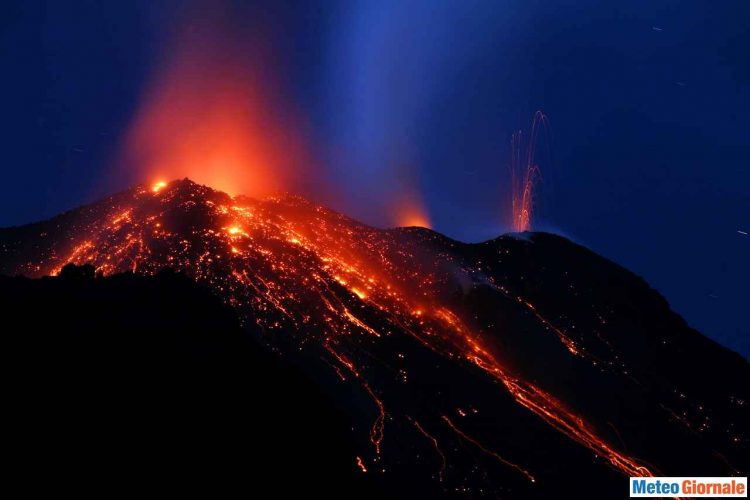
(134, 384)
(522, 367)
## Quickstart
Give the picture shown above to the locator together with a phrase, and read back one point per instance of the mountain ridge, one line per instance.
(578, 349)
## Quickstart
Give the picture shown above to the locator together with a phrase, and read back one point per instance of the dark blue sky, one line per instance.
(648, 101)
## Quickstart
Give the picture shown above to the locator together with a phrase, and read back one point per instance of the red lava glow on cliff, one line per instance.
(209, 114)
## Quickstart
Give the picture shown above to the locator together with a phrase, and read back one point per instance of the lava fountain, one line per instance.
(525, 174)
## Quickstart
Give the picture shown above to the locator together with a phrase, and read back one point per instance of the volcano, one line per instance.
(519, 367)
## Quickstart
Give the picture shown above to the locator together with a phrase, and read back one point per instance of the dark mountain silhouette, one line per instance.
(132, 384)
(526, 366)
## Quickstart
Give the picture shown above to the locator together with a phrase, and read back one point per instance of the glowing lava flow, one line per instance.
(319, 277)
(489, 452)
(376, 433)
(435, 444)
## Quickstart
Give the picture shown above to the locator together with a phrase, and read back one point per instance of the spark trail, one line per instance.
(525, 174)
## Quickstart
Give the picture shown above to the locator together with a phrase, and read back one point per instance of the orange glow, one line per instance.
(209, 114)
(158, 185)
(410, 211)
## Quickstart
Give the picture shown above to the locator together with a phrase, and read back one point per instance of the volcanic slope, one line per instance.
(501, 368)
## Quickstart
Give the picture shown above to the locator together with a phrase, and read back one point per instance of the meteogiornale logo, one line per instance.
(696, 487)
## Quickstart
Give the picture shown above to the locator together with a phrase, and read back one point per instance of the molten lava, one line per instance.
(158, 186)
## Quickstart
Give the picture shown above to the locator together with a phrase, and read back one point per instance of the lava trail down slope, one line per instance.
(499, 368)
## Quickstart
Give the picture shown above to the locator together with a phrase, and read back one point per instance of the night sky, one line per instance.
(647, 161)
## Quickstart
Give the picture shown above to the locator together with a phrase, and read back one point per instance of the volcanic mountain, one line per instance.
(519, 367)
